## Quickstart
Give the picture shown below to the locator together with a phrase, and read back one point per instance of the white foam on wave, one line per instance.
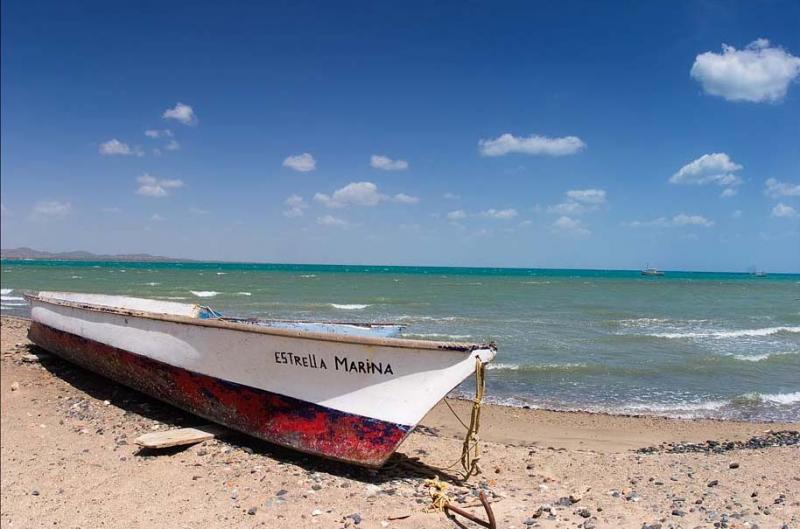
(6, 291)
(152, 284)
(740, 333)
(439, 335)
(308, 276)
(245, 293)
(11, 298)
(222, 273)
(352, 306)
(500, 365)
(204, 293)
(782, 398)
(172, 297)
(764, 356)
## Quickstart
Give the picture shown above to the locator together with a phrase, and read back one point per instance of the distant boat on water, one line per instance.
(345, 391)
(650, 271)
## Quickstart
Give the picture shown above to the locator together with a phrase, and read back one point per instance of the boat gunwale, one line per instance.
(403, 343)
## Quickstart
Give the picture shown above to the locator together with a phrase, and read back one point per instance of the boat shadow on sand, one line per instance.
(138, 406)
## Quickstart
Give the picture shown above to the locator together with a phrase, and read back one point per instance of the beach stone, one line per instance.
(356, 517)
(589, 524)
(14, 386)
(316, 512)
(654, 525)
(678, 512)
(252, 510)
(34, 492)
(713, 483)
(733, 465)
(583, 513)
(282, 492)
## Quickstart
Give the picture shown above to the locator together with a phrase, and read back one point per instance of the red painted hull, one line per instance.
(279, 419)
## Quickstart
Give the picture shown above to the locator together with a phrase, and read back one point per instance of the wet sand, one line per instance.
(69, 460)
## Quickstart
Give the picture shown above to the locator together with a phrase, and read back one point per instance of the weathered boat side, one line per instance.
(279, 419)
(349, 398)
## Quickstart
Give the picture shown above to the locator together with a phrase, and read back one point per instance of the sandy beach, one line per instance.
(69, 460)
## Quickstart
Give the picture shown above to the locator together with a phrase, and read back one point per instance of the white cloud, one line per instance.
(198, 211)
(114, 147)
(682, 219)
(330, 220)
(295, 205)
(570, 225)
(569, 207)
(384, 163)
(361, 194)
(150, 186)
(728, 193)
(4, 211)
(402, 198)
(579, 201)
(776, 188)
(757, 73)
(782, 210)
(158, 133)
(588, 196)
(537, 145)
(172, 145)
(111, 209)
(451, 196)
(499, 214)
(301, 162)
(525, 223)
(182, 113)
(457, 215)
(51, 208)
(157, 218)
(716, 168)
(679, 220)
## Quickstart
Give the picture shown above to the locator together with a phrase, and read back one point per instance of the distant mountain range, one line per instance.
(30, 253)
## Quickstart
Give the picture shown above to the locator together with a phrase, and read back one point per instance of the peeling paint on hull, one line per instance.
(279, 419)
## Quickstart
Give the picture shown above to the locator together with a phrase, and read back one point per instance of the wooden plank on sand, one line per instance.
(180, 436)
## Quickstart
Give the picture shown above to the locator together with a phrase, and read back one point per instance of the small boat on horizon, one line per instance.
(650, 271)
(345, 391)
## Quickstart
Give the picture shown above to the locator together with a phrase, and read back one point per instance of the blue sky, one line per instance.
(561, 134)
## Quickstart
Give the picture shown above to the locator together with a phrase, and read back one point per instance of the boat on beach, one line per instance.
(345, 391)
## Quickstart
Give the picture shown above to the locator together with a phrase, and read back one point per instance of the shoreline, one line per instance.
(68, 459)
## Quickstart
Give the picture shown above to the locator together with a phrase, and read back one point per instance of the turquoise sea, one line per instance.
(687, 344)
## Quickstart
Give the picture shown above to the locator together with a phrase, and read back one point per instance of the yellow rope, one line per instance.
(439, 498)
(471, 453)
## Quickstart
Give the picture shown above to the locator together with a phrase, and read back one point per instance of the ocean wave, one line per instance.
(353, 306)
(245, 293)
(764, 356)
(438, 335)
(204, 293)
(568, 366)
(6, 291)
(500, 365)
(152, 284)
(308, 276)
(755, 398)
(172, 297)
(740, 333)
(11, 306)
(11, 298)
(77, 277)
(222, 273)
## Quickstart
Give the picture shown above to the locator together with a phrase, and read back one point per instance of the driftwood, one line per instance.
(180, 436)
